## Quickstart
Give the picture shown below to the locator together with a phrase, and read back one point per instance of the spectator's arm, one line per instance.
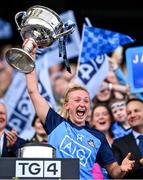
(118, 72)
(117, 87)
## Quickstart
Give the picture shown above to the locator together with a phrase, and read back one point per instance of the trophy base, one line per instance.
(20, 60)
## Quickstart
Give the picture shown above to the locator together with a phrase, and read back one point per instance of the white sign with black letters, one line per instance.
(38, 168)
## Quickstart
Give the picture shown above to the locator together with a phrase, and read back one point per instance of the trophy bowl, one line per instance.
(39, 25)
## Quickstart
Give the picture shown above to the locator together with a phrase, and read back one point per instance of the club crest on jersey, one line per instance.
(91, 143)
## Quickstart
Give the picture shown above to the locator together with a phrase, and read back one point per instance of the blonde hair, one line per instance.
(74, 87)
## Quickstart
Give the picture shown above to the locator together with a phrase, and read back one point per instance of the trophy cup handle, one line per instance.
(68, 27)
(21, 13)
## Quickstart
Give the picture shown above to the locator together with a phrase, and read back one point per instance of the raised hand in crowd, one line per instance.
(11, 137)
(9, 141)
(116, 87)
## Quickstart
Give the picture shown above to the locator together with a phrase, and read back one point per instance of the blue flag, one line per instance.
(92, 73)
(97, 41)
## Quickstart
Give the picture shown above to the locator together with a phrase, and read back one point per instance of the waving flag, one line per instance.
(93, 64)
(97, 41)
(19, 106)
(92, 73)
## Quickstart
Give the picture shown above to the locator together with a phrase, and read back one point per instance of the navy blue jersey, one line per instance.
(84, 142)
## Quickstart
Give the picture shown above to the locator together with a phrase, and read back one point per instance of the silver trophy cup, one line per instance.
(39, 25)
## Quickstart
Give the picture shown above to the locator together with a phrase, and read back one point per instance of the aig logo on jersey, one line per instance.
(75, 150)
(25, 168)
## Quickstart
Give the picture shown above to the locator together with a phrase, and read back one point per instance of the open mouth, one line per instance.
(102, 123)
(80, 112)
